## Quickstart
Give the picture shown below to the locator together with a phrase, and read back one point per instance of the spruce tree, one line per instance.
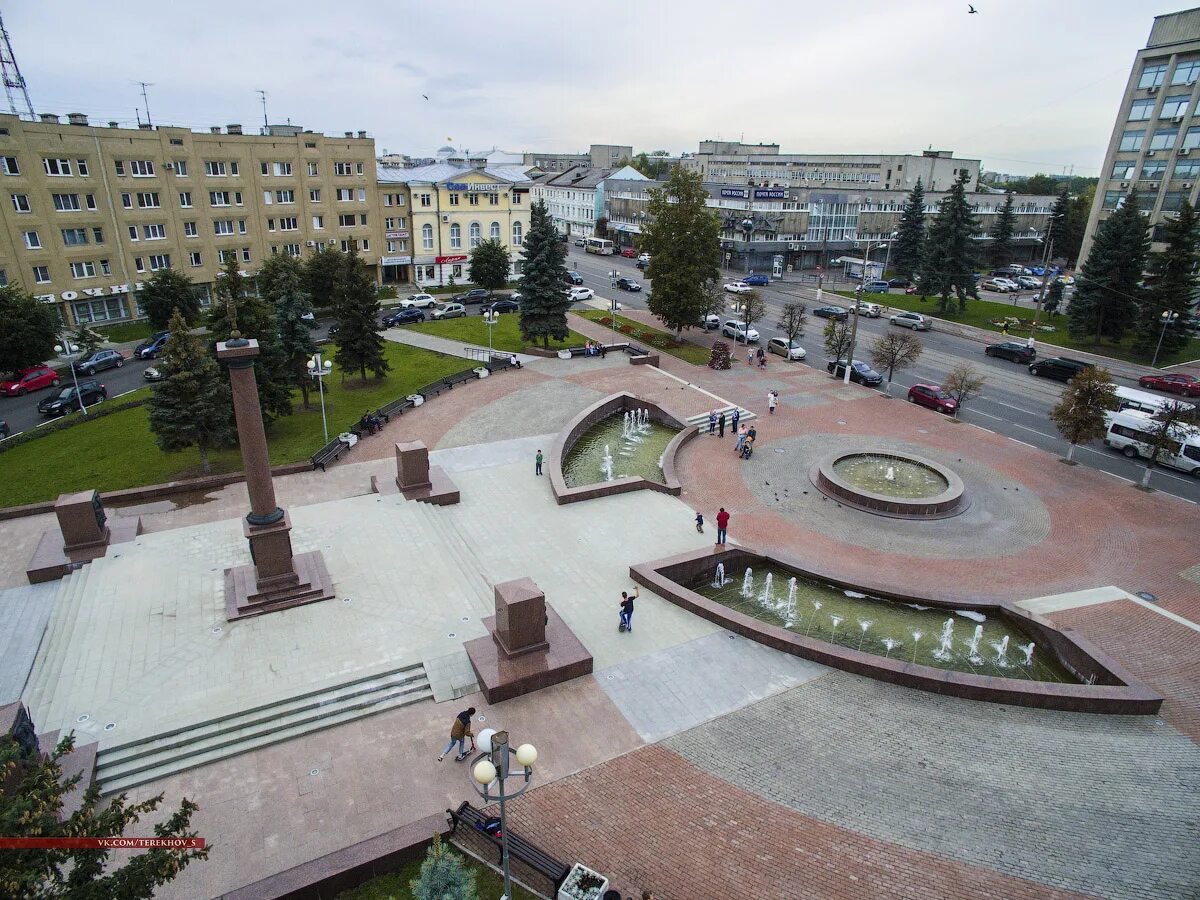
(192, 405)
(29, 330)
(683, 239)
(443, 875)
(910, 235)
(1080, 208)
(165, 292)
(356, 308)
(544, 304)
(949, 258)
(1002, 232)
(1171, 288)
(281, 283)
(1054, 297)
(490, 264)
(1108, 288)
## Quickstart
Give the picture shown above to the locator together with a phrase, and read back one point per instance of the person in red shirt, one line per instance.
(722, 524)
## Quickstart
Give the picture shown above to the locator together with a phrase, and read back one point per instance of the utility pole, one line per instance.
(13, 79)
(266, 126)
(145, 99)
(1046, 255)
(857, 314)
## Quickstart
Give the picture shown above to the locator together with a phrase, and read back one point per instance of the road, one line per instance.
(21, 412)
(1013, 402)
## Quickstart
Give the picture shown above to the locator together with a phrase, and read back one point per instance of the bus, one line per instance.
(599, 245)
(1130, 433)
(1140, 401)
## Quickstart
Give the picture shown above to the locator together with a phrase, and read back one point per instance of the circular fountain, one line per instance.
(891, 484)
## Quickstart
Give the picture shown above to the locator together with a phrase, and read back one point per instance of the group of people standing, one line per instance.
(760, 355)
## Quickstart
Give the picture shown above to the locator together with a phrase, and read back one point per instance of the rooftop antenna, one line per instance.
(145, 99)
(13, 79)
(263, 94)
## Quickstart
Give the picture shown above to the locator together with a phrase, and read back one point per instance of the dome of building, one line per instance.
(446, 152)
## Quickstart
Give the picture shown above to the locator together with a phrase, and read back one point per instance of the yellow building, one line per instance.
(452, 206)
(92, 212)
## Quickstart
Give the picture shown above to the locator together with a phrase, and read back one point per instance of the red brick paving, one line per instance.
(651, 819)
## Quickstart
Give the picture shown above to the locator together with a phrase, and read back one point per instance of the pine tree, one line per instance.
(443, 875)
(1172, 285)
(1079, 414)
(281, 283)
(910, 235)
(29, 331)
(1002, 232)
(544, 305)
(356, 307)
(490, 265)
(165, 292)
(1059, 222)
(949, 258)
(1108, 289)
(1054, 297)
(192, 405)
(683, 239)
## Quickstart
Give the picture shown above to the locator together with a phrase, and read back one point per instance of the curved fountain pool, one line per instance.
(625, 444)
(894, 484)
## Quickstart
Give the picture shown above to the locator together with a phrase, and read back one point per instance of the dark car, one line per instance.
(831, 312)
(859, 371)
(502, 306)
(757, 280)
(149, 349)
(70, 399)
(643, 264)
(1011, 350)
(572, 278)
(404, 316)
(899, 282)
(474, 295)
(628, 284)
(1060, 368)
(932, 397)
(98, 361)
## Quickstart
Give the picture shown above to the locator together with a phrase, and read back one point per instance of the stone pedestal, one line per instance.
(417, 480)
(520, 617)
(82, 520)
(83, 534)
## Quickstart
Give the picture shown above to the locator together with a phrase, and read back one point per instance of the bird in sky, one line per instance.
(971, 10)
(426, 96)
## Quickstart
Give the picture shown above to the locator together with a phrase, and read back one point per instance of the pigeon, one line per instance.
(767, 483)
(971, 10)
(426, 96)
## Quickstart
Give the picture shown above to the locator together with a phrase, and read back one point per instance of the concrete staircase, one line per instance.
(467, 569)
(123, 766)
(48, 664)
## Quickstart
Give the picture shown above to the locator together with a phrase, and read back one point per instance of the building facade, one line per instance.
(92, 212)
(575, 198)
(599, 156)
(1155, 143)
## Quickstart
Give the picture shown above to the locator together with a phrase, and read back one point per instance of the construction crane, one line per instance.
(13, 79)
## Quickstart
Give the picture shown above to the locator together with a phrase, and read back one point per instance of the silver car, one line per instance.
(785, 348)
(915, 321)
(448, 311)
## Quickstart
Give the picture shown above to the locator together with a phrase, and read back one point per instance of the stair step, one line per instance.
(68, 656)
(48, 661)
(469, 570)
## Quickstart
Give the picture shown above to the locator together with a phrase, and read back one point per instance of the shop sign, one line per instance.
(770, 194)
(395, 260)
(68, 296)
(739, 193)
(487, 187)
(450, 259)
(395, 235)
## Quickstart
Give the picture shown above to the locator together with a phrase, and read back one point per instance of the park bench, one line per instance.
(518, 847)
(395, 408)
(329, 453)
(433, 389)
(460, 377)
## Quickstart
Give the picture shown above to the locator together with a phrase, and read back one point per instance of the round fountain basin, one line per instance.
(635, 452)
(891, 484)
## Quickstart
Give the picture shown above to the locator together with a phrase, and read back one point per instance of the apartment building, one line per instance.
(91, 212)
(575, 198)
(1155, 142)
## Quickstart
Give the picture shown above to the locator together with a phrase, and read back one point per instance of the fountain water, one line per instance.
(973, 645)
(890, 645)
(789, 615)
(864, 624)
(947, 641)
(837, 620)
(720, 579)
(816, 609)
(748, 583)
(765, 597)
(917, 635)
(891, 473)
(1001, 648)
(1028, 651)
(645, 417)
(608, 464)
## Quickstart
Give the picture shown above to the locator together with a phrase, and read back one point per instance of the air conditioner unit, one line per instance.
(1187, 185)
(1185, 151)
(170, 167)
(1124, 184)
(310, 243)
(445, 218)
(331, 242)
(1149, 152)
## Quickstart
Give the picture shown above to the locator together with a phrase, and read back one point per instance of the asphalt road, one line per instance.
(1013, 402)
(21, 412)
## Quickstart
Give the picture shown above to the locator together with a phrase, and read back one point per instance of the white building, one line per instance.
(575, 198)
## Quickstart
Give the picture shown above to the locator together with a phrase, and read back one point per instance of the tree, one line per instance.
(281, 283)
(490, 265)
(910, 234)
(192, 405)
(321, 273)
(84, 338)
(753, 308)
(963, 383)
(544, 305)
(31, 805)
(1059, 222)
(1106, 297)
(356, 308)
(1054, 297)
(1165, 430)
(653, 166)
(683, 240)
(443, 875)
(895, 350)
(165, 292)
(948, 261)
(1002, 231)
(1172, 286)
(601, 228)
(30, 330)
(837, 339)
(792, 319)
(1079, 413)
(1077, 218)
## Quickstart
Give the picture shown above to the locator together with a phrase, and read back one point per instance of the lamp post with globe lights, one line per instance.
(489, 771)
(69, 351)
(318, 369)
(1168, 318)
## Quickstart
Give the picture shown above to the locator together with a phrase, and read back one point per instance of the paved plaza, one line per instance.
(692, 761)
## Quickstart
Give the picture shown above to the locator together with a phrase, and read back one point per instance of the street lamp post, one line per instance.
(887, 260)
(857, 315)
(490, 318)
(490, 769)
(1168, 318)
(65, 349)
(318, 369)
(612, 302)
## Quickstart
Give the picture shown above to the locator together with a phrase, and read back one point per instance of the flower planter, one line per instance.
(564, 354)
(416, 399)
(482, 372)
(582, 884)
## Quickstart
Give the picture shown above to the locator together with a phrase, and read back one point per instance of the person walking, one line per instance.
(712, 422)
(721, 425)
(459, 732)
(749, 356)
(741, 439)
(722, 525)
(700, 523)
(752, 434)
(627, 608)
(537, 463)
(737, 417)
(772, 401)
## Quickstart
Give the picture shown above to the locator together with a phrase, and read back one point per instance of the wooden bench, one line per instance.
(395, 408)
(329, 453)
(518, 847)
(460, 377)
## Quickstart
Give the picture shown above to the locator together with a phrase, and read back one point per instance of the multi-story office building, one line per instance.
(599, 156)
(1155, 144)
(575, 198)
(90, 212)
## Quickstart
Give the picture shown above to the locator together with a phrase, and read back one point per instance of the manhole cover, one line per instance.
(465, 619)
(1147, 596)
(314, 771)
(611, 677)
(780, 450)
(83, 718)
(345, 599)
(216, 629)
(110, 726)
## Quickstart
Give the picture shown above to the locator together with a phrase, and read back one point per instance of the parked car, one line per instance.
(580, 293)
(573, 278)
(70, 399)
(995, 284)
(628, 252)
(643, 257)
(310, 321)
(1028, 282)
(405, 316)
(474, 295)
(1007, 284)
(831, 312)
(915, 321)
(419, 301)
(628, 284)
(1060, 368)
(1013, 270)
(899, 282)
(785, 348)
(757, 280)
(859, 372)
(98, 361)
(643, 264)
(867, 310)
(333, 329)
(501, 306)
(932, 397)
(4, 432)
(738, 287)
(151, 347)
(876, 287)
(580, 242)
(29, 380)
(150, 373)
(1184, 385)
(448, 311)
(1011, 350)
(737, 331)
(711, 322)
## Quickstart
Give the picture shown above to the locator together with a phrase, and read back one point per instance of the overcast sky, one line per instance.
(1026, 85)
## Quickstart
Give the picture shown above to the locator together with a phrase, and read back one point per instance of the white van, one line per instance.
(1128, 432)
(1140, 401)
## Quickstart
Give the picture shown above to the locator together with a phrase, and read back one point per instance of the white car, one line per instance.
(1028, 282)
(1007, 284)
(915, 321)
(867, 310)
(644, 257)
(738, 287)
(418, 301)
(710, 322)
(448, 311)
(785, 348)
(738, 332)
(581, 293)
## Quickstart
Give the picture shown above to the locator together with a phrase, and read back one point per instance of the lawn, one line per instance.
(118, 451)
(980, 313)
(126, 331)
(506, 335)
(394, 886)
(659, 340)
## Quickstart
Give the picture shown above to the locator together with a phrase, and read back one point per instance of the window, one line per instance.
(494, 234)
(3, 278)
(1113, 199)
(41, 274)
(426, 237)
(1191, 138)
(1172, 200)
(83, 270)
(362, 218)
(362, 194)
(516, 197)
(74, 237)
(313, 170)
(66, 202)
(218, 198)
(141, 168)
(245, 254)
(139, 264)
(223, 226)
(391, 246)
(1124, 169)
(189, 229)
(98, 234)
(476, 234)
(105, 269)
(518, 234)
(494, 199)
(98, 310)
(185, 199)
(20, 203)
(148, 201)
(119, 165)
(346, 221)
(425, 200)
(1152, 76)
(344, 194)
(1187, 168)
(58, 167)
(389, 223)
(154, 232)
(32, 241)
(318, 222)
(214, 168)
(223, 256)
(127, 201)
(270, 224)
(133, 233)
(1131, 140)
(195, 259)
(454, 199)
(1164, 138)
(283, 168)
(342, 168)
(1175, 106)
(90, 201)
(1154, 169)
(265, 168)
(8, 165)
(456, 270)
(288, 223)
(160, 261)
(473, 199)
(237, 198)
(358, 167)
(1186, 71)
(241, 226)
(348, 246)
(285, 196)
(455, 236)
(291, 249)
(181, 168)
(233, 168)
(314, 196)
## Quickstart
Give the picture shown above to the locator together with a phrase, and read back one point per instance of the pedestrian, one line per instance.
(772, 401)
(737, 417)
(721, 425)
(712, 422)
(627, 609)
(741, 438)
(513, 361)
(459, 732)
(752, 434)
(700, 523)
(537, 463)
(749, 356)
(604, 351)
(722, 525)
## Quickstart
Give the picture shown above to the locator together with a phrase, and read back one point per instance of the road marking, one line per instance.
(130, 391)
(1023, 444)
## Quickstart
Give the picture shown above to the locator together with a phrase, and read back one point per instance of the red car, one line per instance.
(629, 253)
(1186, 385)
(933, 397)
(29, 380)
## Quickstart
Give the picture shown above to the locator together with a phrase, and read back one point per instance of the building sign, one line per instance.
(449, 259)
(740, 193)
(395, 260)
(486, 187)
(395, 235)
(770, 194)
(68, 296)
